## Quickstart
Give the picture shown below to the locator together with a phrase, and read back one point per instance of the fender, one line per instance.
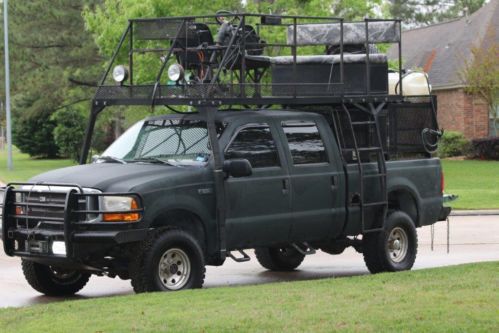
(403, 184)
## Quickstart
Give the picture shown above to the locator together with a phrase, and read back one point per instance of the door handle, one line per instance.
(285, 186)
(334, 181)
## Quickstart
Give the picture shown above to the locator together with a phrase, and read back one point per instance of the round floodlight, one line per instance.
(175, 72)
(120, 73)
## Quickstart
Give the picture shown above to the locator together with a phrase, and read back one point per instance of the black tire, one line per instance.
(53, 281)
(386, 251)
(279, 258)
(160, 247)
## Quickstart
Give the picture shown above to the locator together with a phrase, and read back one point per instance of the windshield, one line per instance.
(168, 141)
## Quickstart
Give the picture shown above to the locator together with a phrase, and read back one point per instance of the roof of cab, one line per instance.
(227, 116)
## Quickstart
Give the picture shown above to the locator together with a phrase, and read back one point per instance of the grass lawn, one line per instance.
(26, 167)
(476, 183)
(461, 298)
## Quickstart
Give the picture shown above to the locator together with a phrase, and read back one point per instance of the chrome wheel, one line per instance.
(398, 244)
(174, 269)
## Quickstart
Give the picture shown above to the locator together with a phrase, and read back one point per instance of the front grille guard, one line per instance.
(72, 213)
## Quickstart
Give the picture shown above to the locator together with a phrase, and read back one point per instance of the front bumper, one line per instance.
(47, 221)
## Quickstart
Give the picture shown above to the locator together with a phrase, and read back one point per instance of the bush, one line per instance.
(485, 149)
(33, 134)
(68, 133)
(453, 144)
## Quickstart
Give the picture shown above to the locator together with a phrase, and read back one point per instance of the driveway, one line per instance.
(472, 239)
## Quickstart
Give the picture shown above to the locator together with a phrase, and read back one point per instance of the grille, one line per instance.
(42, 210)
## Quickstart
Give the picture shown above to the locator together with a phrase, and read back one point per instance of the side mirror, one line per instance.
(238, 168)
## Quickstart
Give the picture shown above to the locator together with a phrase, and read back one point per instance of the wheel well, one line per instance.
(185, 220)
(404, 201)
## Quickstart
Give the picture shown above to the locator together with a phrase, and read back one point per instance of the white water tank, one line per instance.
(413, 84)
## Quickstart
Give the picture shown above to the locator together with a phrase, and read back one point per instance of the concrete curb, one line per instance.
(474, 212)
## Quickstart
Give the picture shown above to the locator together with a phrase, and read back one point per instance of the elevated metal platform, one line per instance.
(249, 59)
(206, 95)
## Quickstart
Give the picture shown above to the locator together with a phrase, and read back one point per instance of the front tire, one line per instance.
(53, 281)
(393, 249)
(279, 258)
(169, 260)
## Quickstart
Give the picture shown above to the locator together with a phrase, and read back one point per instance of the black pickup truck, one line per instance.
(146, 208)
(286, 154)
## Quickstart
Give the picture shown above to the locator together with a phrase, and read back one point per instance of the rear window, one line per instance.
(305, 143)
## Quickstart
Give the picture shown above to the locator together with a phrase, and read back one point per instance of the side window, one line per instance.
(256, 144)
(305, 143)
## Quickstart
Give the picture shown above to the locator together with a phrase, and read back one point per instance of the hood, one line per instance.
(112, 177)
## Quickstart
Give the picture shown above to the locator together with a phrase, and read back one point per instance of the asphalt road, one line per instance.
(472, 239)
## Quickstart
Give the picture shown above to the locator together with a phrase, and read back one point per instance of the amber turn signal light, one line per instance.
(123, 217)
(19, 210)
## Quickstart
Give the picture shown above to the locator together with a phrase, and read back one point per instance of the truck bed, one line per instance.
(415, 184)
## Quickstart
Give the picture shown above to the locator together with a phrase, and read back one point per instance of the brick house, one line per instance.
(441, 50)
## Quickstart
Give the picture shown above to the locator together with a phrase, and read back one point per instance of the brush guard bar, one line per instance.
(53, 215)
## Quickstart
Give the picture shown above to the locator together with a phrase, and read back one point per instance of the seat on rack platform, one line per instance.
(266, 61)
(353, 33)
(320, 75)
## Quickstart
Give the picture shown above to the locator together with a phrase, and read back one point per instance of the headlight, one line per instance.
(175, 72)
(2, 196)
(118, 207)
(59, 248)
(120, 73)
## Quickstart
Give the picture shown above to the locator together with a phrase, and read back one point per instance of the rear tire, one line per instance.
(393, 249)
(53, 281)
(167, 261)
(279, 259)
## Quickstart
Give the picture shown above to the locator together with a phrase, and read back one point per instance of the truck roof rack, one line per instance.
(249, 59)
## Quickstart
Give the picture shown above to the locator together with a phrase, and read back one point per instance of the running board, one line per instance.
(308, 249)
(244, 257)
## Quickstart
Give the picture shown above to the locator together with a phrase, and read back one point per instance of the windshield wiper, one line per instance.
(110, 159)
(151, 160)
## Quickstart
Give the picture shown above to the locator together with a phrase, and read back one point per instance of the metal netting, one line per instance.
(172, 138)
(407, 122)
(158, 29)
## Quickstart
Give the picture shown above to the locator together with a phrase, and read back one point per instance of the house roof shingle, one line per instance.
(443, 48)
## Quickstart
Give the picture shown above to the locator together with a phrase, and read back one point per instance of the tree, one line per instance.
(54, 62)
(481, 74)
(348, 9)
(424, 12)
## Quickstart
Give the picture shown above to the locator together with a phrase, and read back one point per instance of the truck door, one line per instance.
(317, 180)
(259, 211)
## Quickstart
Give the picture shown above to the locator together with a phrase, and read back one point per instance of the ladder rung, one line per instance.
(358, 123)
(363, 149)
(369, 149)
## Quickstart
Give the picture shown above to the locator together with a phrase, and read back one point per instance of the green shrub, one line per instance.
(453, 144)
(485, 149)
(68, 133)
(33, 134)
